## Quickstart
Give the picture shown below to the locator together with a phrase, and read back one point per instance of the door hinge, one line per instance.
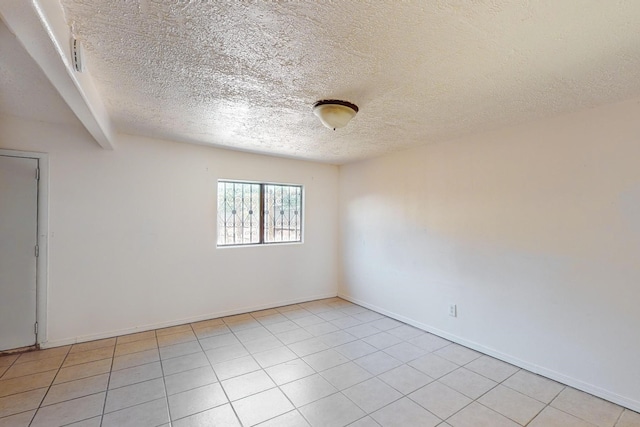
(35, 328)
(38, 173)
(37, 251)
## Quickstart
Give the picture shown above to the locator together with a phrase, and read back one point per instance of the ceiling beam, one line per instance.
(41, 28)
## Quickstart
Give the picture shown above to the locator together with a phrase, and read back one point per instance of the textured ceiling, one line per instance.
(24, 90)
(245, 74)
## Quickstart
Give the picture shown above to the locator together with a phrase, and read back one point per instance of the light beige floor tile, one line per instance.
(406, 332)
(587, 407)
(468, 383)
(136, 346)
(245, 324)
(405, 412)
(3, 369)
(278, 328)
(263, 344)
(152, 413)
(439, 399)
(229, 352)
(332, 411)
(434, 366)
(405, 352)
(32, 356)
(178, 338)
(356, 349)
(540, 388)
(365, 422)
(91, 422)
(385, 324)
(139, 336)
(457, 354)
(382, 340)
(372, 394)
(274, 357)
(346, 322)
(68, 412)
(178, 350)
(206, 323)
(88, 356)
(325, 359)
(187, 380)
(324, 328)
(238, 318)
(405, 379)
(18, 420)
(307, 347)
(262, 313)
(220, 416)
(253, 334)
(21, 402)
(476, 415)
(137, 374)
(429, 342)
(308, 389)
(135, 359)
(125, 397)
(270, 319)
(551, 417)
(262, 406)
(361, 331)
(334, 338)
(84, 370)
(184, 363)
(346, 375)
(293, 336)
(247, 384)
(74, 389)
(173, 330)
(629, 419)
(290, 419)
(28, 368)
(235, 367)
(491, 368)
(7, 360)
(512, 404)
(289, 371)
(308, 320)
(196, 400)
(92, 345)
(211, 331)
(377, 363)
(26, 383)
(218, 341)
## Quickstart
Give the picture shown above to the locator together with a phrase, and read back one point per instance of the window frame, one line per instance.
(262, 226)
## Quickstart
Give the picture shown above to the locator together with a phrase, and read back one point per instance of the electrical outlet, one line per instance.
(453, 310)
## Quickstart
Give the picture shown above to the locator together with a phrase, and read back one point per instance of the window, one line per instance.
(252, 213)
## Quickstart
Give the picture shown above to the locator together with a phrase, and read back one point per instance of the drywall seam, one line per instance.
(554, 375)
(126, 331)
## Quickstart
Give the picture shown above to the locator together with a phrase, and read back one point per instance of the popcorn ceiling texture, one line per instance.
(245, 75)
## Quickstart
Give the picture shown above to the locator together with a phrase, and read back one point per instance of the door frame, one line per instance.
(42, 262)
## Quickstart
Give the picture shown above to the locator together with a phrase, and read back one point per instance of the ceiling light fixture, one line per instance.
(333, 113)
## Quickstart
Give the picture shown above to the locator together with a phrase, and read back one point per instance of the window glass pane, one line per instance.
(282, 213)
(238, 213)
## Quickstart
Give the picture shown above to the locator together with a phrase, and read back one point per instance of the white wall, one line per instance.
(533, 231)
(132, 240)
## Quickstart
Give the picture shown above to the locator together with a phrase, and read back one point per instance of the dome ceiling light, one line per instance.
(334, 113)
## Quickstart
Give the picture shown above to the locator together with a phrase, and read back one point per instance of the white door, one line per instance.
(18, 239)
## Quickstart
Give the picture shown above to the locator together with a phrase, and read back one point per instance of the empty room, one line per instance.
(319, 213)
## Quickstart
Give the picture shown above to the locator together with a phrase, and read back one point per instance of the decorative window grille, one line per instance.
(255, 213)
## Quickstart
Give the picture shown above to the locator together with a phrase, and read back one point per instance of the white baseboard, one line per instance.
(556, 376)
(111, 334)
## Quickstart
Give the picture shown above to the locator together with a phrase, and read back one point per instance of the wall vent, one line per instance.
(77, 55)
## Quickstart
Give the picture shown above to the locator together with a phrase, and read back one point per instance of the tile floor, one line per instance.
(322, 363)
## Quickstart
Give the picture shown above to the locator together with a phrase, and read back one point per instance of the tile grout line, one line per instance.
(106, 393)
(164, 378)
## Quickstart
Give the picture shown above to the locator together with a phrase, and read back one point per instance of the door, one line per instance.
(18, 239)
